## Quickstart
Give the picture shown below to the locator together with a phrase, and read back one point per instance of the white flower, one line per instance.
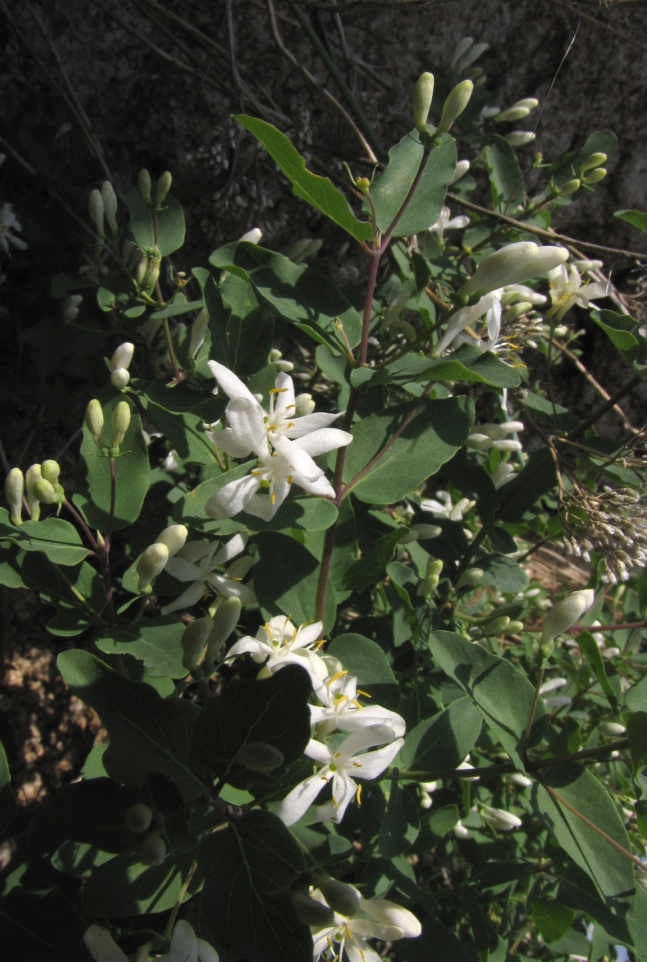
(567, 290)
(284, 444)
(343, 712)
(489, 304)
(565, 613)
(185, 947)
(279, 643)
(8, 223)
(196, 562)
(499, 819)
(447, 222)
(513, 264)
(362, 919)
(341, 765)
(445, 507)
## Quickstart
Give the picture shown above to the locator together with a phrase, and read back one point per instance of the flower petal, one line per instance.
(192, 596)
(373, 763)
(232, 498)
(297, 803)
(309, 423)
(245, 419)
(323, 441)
(231, 385)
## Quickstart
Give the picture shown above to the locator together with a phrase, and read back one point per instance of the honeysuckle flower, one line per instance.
(9, 223)
(513, 264)
(565, 613)
(460, 831)
(499, 819)
(341, 710)
(197, 562)
(489, 305)
(447, 222)
(445, 507)
(341, 765)
(356, 919)
(284, 444)
(186, 947)
(567, 290)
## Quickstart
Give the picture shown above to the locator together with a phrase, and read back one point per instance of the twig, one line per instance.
(598, 387)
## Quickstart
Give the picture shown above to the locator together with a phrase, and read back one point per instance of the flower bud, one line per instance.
(94, 419)
(259, 757)
(144, 184)
(497, 626)
(513, 264)
(14, 488)
(101, 945)
(460, 831)
(455, 104)
(303, 404)
(595, 176)
(225, 620)
(154, 263)
(163, 186)
(521, 780)
(51, 471)
(519, 138)
(152, 851)
(122, 356)
(363, 184)
(32, 477)
(95, 209)
(423, 93)
(499, 819)
(310, 911)
(462, 167)
(507, 444)
(424, 532)
(341, 897)
(120, 378)
(470, 577)
(252, 236)
(174, 537)
(612, 729)
(45, 492)
(138, 817)
(150, 563)
(511, 114)
(514, 628)
(194, 641)
(593, 160)
(284, 366)
(110, 206)
(565, 613)
(390, 913)
(198, 332)
(140, 270)
(479, 442)
(432, 577)
(120, 423)
(570, 187)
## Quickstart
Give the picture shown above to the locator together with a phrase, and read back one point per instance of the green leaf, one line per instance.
(637, 218)
(184, 431)
(502, 573)
(637, 735)
(248, 870)
(390, 189)
(156, 642)
(519, 496)
(552, 919)
(432, 436)
(178, 306)
(465, 364)
(54, 537)
(294, 292)
(401, 823)
(365, 660)
(170, 223)
(624, 332)
(506, 179)
(90, 812)
(132, 474)
(589, 648)
(272, 711)
(502, 694)
(317, 191)
(8, 804)
(636, 696)
(147, 733)
(286, 577)
(123, 886)
(77, 594)
(370, 569)
(441, 743)
(610, 871)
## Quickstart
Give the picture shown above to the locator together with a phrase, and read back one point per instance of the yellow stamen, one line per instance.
(289, 479)
(273, 497)
(356, 704)
(337, 755)
(334, 678)
(278, 390)
(356, 765)
(364, 693)
(358, 795)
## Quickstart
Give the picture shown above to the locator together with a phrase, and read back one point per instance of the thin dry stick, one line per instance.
(592, 381)
(578, 12)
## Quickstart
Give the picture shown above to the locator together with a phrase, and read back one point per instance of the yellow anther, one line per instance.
(364, 693)
(356, 765)
(334, 678)
(289, 479)
(358, 795)
(256, 473)
(356, 704)
(337, 755)
(278, 390)
(273, 497)
(335, 802)
(290, 425)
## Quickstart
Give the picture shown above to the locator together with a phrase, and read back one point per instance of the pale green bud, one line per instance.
(519, 138)
(144, 184)
(120, 378)
(517, 112)
(570, 187)
(45, 492)
(122, 356)
(423, 93)
(455, 104)
(513, 264)
(14, 488)
(310, 911)
(174, 537)
(138, 817)
(32, 477)
(514, 628)
(141, 271)
(152, 850)
(94, 419)
(275, 355)
(224, 621)
(612, 729)
(95, 209)
(163, 186)
(150, 563)
(259, 757)
(153, 271)
(110, 206)
(341, 897)
(194, 640)
(198, 332)
(252, 236)
(595, 176)
(470, 577)
(497, 626)
(51, 471)
(593, 160)
(499, 819)
(565, 613)
(432, 577)
(304, 404)
(120, 423)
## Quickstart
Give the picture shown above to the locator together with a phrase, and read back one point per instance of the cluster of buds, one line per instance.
(147, 269)
(41, 482)
(94, 421)
(464, 58)
(119, 364)
(487, 436)
(203, 638)
(612, 523)
(153, 559)
(456, 102)
(102, 206)
(145, 186)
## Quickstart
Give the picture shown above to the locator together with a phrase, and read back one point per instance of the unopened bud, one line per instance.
(252, 236)
(570, 187)
(224, 621)
(32, 477)
(150, 563)
(514, 628)
(470, 577)
(51, 471)
(497, 626)
(259, 757)
(144, 184)
(341, 897)
(424, 532)
(303, 404)
(14, 488)
(594, 160)
(423, 93)
(95, 209)
(519, 138)
(110, 206)
(612, 729)
(310, 911)
(194, 641)
(198, 332)
(122, 356)
(284, 366)
(595, 176)
(499, 819)
(163, 186)
(120, 423)
(174, 537)
(565, 613)
(512, 114)
(45, 492)
(94, 419)
(432, 577)
(152, 850)
(120, 378)
(141, 271)
(513, 264)
(462, 167)
(138, 817)
(153, 271)
(455, 104)
(363, 184)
